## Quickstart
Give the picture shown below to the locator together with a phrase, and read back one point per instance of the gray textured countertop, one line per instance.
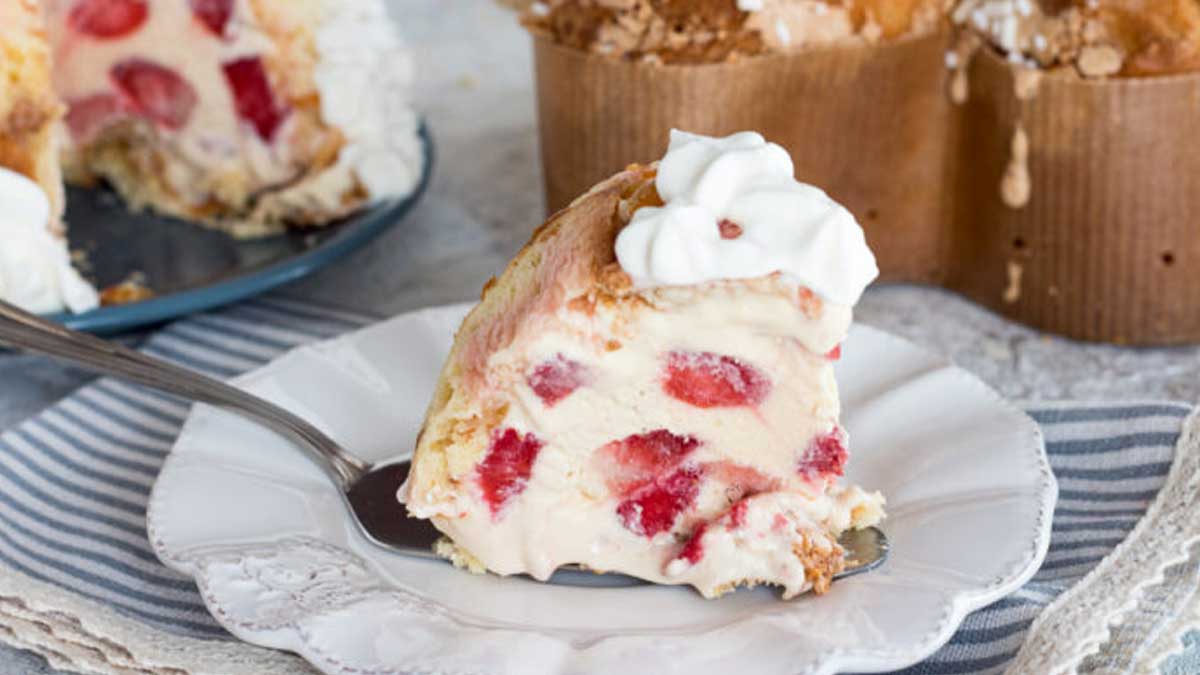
(476, 93)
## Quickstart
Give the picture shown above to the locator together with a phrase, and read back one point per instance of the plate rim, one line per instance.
(373, 221)
(955, 606)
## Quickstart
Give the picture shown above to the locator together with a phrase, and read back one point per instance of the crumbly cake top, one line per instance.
(711, 31)
(1099, 38)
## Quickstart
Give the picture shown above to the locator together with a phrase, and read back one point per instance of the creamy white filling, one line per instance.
(365, 78)
(779, 224)
(567, 512)
(35, 267)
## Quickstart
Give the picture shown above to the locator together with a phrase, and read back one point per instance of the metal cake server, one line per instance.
(368, 490)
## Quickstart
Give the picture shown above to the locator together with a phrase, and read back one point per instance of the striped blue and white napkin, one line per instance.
(75, 479)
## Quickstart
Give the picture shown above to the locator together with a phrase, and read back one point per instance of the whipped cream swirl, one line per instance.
(35, 268)
(365, 79)
(734, 211)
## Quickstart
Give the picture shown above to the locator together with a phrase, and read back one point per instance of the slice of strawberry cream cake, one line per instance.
(648, 388)
(244, 114)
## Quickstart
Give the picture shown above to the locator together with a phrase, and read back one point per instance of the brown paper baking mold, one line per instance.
(1104, 249)
(1107, 247)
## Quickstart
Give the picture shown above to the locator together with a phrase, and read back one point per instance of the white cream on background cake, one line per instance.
(35, 267)
(648, 388)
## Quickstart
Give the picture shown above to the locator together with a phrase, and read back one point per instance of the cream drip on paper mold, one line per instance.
(364, 77)
(1015, 186)
(35, 267)
(785, 226)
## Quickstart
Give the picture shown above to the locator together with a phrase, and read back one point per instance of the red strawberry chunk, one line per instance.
(253, 97)
(741, 480)
(737, 515)
(655, 507)
(729, 229)
(504, 472)
(835, 353)
(87, 116)
(708, 380)
(826, 455)
(106, 19)
(638, 459)
(693, 550)
(213, 13)
(154, 91)
(557, 378)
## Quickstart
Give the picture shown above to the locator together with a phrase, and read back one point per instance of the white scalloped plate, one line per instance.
(970, 495)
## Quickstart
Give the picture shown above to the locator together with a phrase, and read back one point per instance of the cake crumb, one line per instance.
(1015, 187)
(133, 289)
(1013, 292)
(447, 549)
(1025, 83)
(1099, 61)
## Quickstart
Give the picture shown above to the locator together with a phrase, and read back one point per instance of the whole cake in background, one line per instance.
(244, 114)
(648, 387)
(35, 268)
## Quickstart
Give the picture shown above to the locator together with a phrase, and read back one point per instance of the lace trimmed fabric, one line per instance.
(1130, 583)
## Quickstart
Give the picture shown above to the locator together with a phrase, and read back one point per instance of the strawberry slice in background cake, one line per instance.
(648, 388)
(243, 114)
(35, 267)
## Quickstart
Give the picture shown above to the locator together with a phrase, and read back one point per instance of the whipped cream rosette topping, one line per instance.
(734, 211)
(35, 267)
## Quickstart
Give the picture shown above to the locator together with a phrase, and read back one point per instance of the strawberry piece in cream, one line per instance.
(214, 14)
(555, 379)
(655, 507)
(106, 19)
(640, 458)
(252, 96)
(708, 380)
(154, 91)
(504, 473)
(825, 456)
